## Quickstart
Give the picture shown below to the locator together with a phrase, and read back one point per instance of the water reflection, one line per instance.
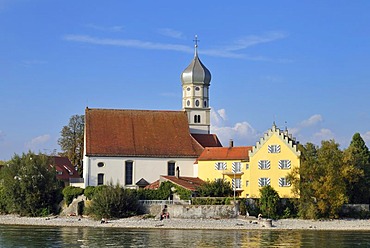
(17, 236)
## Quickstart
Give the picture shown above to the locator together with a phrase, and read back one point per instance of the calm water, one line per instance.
(15, 236)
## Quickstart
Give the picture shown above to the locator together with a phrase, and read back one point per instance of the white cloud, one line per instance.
(313, 120)
(242, 133)
(229, 51)
(105, 29)
(323, 134)
(171, 33)
(39, 140)
(366, 137)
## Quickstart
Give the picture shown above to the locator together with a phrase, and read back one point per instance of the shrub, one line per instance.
(71, 192)
(269, 202)
(89, 192)
(114, 202)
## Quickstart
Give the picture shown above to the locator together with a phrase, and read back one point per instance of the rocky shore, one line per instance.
(221, 224)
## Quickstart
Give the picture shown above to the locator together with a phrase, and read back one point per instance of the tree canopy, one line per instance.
(216, 188)
(71, 140)
(28, 186)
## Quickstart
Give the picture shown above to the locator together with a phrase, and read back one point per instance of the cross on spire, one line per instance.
(196, 45)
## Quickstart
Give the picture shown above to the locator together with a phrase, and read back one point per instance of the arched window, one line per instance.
(198, 118)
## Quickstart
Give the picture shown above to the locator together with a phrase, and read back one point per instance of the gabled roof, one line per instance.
(225, 153)
(284, 136)
(189, 183)
(142, 183)
(153, 185)
(64, 167)
(141, 133)
(207, 140)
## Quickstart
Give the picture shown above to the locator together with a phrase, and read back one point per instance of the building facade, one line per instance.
(248, 169)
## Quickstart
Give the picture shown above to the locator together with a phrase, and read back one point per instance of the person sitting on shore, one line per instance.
(164, 213)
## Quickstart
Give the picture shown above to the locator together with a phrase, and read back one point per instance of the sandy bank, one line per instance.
(221, 224)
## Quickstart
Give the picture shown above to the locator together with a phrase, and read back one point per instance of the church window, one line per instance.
(128, 172)
(197, 88)
(100, 179)
(188, 102)
(196, 118)
(205, 103)
(188, 89)
(171, 168)
(197, 103)
(100, 164)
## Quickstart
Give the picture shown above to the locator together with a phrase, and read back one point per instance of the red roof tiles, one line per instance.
(225, 153)
(190, 183)
(146, 133)
(64, 168)
(207, 140)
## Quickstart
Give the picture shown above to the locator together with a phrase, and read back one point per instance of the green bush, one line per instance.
(114, 202)
(71, 192)
(89, 192)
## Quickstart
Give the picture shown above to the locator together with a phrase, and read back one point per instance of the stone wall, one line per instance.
(195, 211)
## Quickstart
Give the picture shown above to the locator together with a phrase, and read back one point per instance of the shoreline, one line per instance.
(240, 223)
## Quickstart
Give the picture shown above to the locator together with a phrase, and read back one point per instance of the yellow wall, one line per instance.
(251, 173)
(207, 171)
(287, 152)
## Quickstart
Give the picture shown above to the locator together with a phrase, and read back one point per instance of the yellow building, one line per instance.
(250, 168)
(227, 163)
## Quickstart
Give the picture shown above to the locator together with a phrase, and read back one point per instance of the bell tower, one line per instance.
(196, 80)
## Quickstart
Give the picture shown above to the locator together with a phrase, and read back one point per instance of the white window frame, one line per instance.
(237, 167)
(284, 164)
(264, 181)
(264, 164)
(284, 182)
(237, 182)
(273, 148)
(220, 166)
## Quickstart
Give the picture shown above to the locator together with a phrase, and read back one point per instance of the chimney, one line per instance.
(231, 143)
(177, 172)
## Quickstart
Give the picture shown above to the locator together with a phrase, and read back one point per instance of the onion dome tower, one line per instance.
(196, 80)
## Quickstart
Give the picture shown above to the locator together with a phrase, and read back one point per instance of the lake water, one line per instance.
(20, 236)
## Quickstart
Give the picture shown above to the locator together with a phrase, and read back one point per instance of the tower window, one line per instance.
(196, 118)
(205, 103)
(197, 103)
(188, 102)
(197, 88)
(188, 89)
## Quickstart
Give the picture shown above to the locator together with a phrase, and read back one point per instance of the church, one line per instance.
(135, 147)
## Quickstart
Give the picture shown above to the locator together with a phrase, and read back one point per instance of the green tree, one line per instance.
(216, 188)
(71, 140)
(357, 168)
(330, 189)
(30, 186)
(269, 202)
(303, 180)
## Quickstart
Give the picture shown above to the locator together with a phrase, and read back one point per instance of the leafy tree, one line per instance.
(304, 180)
(114, 202)
(320, 181)
(30, 186)
(72, 140)
(330, 189)
(269, 202)
(216, 188)
(357, 169)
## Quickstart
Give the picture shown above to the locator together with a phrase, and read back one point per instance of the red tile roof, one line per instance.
(64, 167)
(190, 183)
(225, 153)
(207, 140)
(153, 185)
(141, 133)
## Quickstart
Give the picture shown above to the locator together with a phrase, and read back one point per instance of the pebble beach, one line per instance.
(211, 224)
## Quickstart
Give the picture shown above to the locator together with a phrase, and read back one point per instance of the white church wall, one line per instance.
(148, 168)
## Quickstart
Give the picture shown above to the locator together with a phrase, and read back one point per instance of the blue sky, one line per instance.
(302, 64)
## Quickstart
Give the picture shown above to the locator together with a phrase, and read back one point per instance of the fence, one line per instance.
(165, 202)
